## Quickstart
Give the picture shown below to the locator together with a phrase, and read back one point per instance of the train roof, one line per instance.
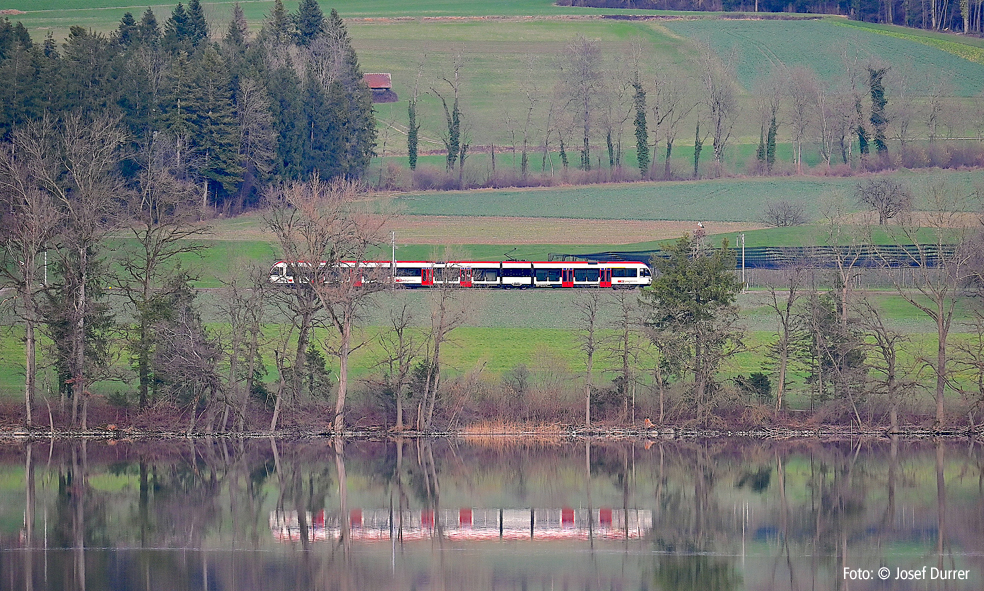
(552, 263)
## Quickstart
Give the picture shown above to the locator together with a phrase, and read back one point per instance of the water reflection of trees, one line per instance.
(800, 511)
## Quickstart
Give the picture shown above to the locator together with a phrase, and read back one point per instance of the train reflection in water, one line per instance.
(466, 524)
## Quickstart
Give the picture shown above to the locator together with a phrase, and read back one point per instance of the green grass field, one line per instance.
(511, 328)
(717, 200)
(825, 45)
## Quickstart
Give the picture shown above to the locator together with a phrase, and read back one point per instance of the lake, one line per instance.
(492, 513)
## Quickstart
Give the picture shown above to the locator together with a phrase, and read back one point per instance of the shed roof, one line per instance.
(378, 81)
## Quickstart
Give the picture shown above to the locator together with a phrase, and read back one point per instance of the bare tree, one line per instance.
(582, 81)
(825, 123)
(849, 110)
(257, 138)
(936, 108)
(305, 240)
(887, 196)
(588, 304)
(782, 300)
(672, 103)
(28, 222)
(531, 94)
(326, 239)
(782, 213)
(76, 163)
(940, 265)
(452, 139)
(887, 360)
(450, 309)
(846, 242)
(902, 109)
(624, 346)
(163, 222)
(187, 356)
(803, 86)
(773, 91)
(244, 305)
(400, 350)
(617, 93)
(720, 88)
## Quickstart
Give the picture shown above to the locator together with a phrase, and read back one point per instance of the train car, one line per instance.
(469, 274)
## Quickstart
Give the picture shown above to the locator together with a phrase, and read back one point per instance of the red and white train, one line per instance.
(521, 274)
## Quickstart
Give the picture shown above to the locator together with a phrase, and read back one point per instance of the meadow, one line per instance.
(731, 199)
(509, 329)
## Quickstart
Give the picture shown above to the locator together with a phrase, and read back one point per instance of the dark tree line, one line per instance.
(938, 15)
(241, 112)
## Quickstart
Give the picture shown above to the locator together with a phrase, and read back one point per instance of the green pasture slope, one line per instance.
(824, 45)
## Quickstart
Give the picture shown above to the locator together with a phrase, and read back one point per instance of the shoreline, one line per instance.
(820, 433)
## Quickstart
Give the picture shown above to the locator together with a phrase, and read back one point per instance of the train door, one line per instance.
(606, 278)
(567, 278)
(466, 277)
(427, 276)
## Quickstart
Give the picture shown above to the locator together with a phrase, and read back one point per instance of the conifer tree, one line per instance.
(413, 129)
(217, 136)
(277, 26)
(360, 120)
(177, 31)
(310, 20)
(286, 107)
(127, 31)
(176, 116)
(238, 33)
(197, 24)
(878, 102)
(148, 30)
(641, 132)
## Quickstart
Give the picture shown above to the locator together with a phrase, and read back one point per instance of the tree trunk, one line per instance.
(667, 170)
(783, 361)
(343, 359)
(941, 334)
(587, 391)
(253, 347)
(30, 361)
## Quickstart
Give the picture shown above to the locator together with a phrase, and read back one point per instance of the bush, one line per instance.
(757, 385)
(784, 213)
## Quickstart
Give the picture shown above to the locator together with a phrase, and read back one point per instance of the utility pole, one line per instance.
(744, 283)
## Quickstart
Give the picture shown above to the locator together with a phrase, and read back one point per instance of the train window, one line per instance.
(516, 272)
(485, 274)
(541, 274)
(646, 273)
(408, 271)
(586, 274)
(616, 272)
(449, 274)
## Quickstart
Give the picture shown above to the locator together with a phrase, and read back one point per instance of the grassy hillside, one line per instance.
(825, 46)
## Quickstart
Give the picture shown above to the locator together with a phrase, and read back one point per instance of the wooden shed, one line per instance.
(381, 85)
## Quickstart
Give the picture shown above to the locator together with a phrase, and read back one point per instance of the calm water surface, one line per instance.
(708, 515)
